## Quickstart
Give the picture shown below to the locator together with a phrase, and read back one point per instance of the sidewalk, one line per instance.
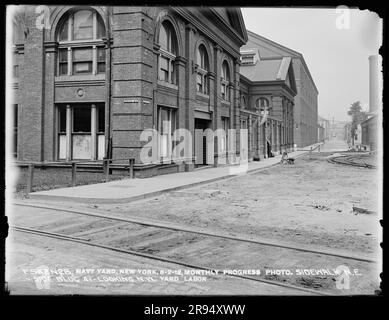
(127, 190)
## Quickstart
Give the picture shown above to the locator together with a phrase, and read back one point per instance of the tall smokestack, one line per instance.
(375, 83)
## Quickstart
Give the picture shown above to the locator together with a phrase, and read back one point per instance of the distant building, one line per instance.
(337, 130)
(371, 125)
(323, 129)
(305, 109)
(369, 133)
(267, 91)
(347, 133)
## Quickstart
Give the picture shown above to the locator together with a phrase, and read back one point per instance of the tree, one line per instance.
(357, 116)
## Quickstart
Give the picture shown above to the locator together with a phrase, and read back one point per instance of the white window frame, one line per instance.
(163, 54)
(225, 84)
(166, 137)
(93, 44)
(224, 140)
(203, 74)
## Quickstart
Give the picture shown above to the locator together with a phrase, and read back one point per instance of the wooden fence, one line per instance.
(107, 166)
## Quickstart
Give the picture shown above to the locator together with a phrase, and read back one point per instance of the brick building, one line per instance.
(305, 110)
(88, 83)
(267, 100)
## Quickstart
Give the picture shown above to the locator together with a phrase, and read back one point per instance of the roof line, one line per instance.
(283, 68)
(272, 42)
(298, 54)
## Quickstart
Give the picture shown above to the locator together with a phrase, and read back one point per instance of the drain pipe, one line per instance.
(108, 76)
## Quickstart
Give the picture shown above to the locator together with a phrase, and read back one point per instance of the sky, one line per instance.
(337, 58)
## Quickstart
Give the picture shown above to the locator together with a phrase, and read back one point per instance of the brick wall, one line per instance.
(135, 91)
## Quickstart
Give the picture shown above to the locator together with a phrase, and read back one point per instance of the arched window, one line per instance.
(202, 69)
(225, 81)
(168, 53)
(262, 104)
(81, 48)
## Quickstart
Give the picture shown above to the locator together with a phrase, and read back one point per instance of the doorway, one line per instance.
(201, 142)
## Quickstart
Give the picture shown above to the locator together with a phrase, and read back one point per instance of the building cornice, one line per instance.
(199, 25)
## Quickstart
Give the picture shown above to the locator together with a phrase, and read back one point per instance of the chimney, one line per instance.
(375, 83)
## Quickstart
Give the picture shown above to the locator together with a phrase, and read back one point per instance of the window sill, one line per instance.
(81, 77)
(226, 103)
(202, 96)
(167, 85)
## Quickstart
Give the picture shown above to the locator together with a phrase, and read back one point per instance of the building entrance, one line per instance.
(200, 142)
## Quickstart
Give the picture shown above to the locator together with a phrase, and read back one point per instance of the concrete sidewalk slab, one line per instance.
(127, 190)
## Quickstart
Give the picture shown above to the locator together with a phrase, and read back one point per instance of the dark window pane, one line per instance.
(199, 82)
(167, 38)
(63, 32)
(202, 58)
(83, 25)
(100, 27)
(225, 71)
(163, 38)
(82, 119)
(15, 131)
(206, 63)
(62, 118)
(173, 121)
(63, 69)
(63, 55)
(101, 118)
(63, 61)
(223, 91)
(172, 42)
(15, 115)
(101, 67)
(172, 72)
(164, 69)
(101, 54)
(101, 60)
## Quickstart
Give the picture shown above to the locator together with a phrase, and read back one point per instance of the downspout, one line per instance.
(108, 76)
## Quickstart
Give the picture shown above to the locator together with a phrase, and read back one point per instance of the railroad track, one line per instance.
(178, 245)
(351, 160)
